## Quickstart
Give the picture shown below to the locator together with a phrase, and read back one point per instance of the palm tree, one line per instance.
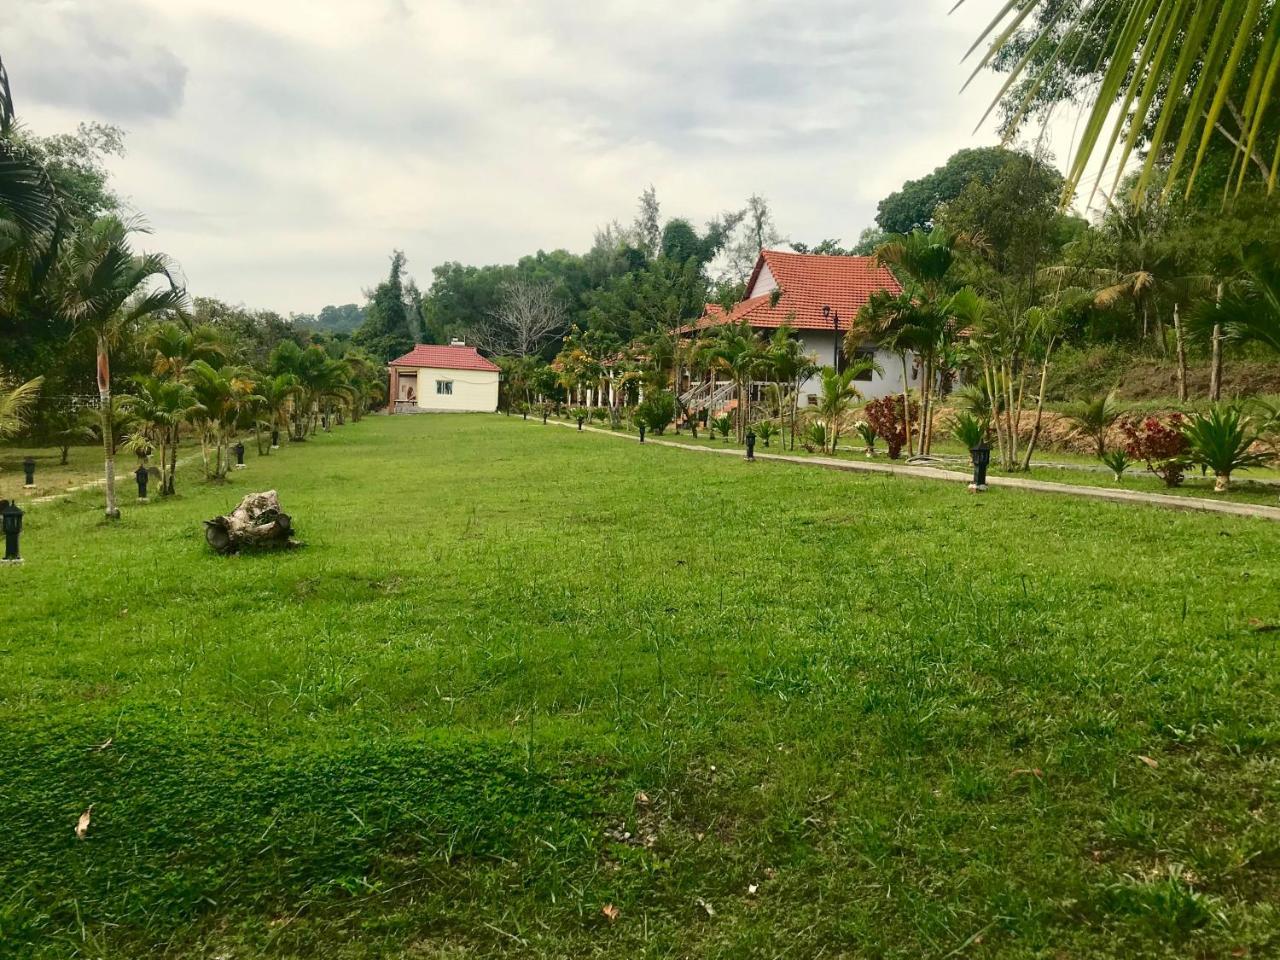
(106, 288)
(174, 348)
(1169, 67)
(739, 350)
(222, 395)
(793, 367)
(276, 397)
(1094, 418)
(159, 407)
(1249, 311)
(15, 404)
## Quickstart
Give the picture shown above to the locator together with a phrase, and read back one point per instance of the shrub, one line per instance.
(886, 418)
(656, 411)
(1118, 461)
(868, 435)
(968, 429)
(816, 436)
(722, 425)
(599, 414)
(766, 430)
(1220, 440)
(1094, 418)
(1160, 444)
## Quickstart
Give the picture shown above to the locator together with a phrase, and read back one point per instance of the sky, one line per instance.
(280, 149)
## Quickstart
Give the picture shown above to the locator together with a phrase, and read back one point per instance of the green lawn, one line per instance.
(519, 673)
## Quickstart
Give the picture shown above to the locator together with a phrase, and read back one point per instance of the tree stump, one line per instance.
(258, 523)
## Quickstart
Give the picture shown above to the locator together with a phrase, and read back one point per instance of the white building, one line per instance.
(817, 297)
(452, 379)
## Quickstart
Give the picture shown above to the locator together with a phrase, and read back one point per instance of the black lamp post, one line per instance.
(239, 449)
(834, 317)
(751, 444)
(981, 456)
(642, 429)
(275, 439)
(29, 468)
(580, 419)
(142, 475)
(544, 415)
(11, 517)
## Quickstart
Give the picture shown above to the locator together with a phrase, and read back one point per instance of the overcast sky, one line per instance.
(281, 148)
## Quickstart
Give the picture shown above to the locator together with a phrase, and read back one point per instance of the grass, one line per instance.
(518, 674)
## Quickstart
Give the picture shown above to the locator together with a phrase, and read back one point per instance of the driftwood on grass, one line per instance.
(258, 523)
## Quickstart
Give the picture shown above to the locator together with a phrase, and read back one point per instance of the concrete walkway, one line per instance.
(1114, 494)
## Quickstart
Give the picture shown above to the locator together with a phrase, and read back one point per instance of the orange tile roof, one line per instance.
(444, 358)
(808, 282)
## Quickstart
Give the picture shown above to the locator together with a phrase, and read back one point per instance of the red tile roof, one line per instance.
(808, 282)
(444, 358)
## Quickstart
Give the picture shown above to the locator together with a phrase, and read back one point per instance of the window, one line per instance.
(444, 388)
(812, 399)
(864, 353)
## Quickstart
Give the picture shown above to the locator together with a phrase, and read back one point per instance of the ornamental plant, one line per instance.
(656, 411)
(766, 430)
(1160, 444)
(868, 435)
(968, 429)
(1221, 440)
(816, 437)
(722, 425)
(1118, 461)
(886, 418)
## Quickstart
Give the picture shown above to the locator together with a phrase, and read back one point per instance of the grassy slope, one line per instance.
(912, 717)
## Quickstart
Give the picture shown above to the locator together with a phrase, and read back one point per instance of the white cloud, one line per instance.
(281, 149)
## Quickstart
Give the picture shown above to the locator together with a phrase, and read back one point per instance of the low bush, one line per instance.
(1221, 440)
(1160, 444)
(656, 411)
(887, 418)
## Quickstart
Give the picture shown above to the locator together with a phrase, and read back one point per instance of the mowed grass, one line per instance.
(520, 673)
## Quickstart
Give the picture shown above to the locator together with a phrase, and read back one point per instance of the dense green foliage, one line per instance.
(574, 689)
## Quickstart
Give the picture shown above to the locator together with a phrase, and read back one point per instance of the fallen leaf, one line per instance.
(752, 888)
(611, 913)
(104, 744)
(1260, 626)
(707, 907)
(1149, 761)
(642, 798)
(1028, 772)
(82, 826)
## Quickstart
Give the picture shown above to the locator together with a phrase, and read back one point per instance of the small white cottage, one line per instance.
(452, 379)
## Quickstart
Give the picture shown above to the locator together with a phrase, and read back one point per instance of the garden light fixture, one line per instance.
(29, 468)
(751, 444)
(981, 456)
(239, 449)
(142, 475)
(275, 439)
(642, 433)
(580, 419)
(11, 517)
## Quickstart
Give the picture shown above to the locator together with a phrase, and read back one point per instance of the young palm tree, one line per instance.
(160, 406)
(222, 396)
(1094, 418)
(793, 367)
(276, 397)
(106, 288)
(838, 395)
(1221, 440)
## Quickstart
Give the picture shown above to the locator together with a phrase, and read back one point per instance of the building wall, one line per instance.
(473, 390)
(821, 344)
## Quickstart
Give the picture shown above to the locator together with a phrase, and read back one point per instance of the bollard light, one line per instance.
(524, 414)
(11, 518)
(142, 475)
(580, 419)
(275, 439)
(642, 428)
(751, 444)
(29, 468)
(544, 417)
(981, 456)
(239, 449)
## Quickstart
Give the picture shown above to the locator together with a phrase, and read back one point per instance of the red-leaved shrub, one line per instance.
(886, 418)
(1160, 443)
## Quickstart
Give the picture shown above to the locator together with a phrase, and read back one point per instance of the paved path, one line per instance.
(1114, 494)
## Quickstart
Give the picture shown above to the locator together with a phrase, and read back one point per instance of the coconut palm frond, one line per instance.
(1196, 49)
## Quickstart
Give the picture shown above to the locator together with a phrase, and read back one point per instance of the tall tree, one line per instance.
(387, 331)
(107, 288)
